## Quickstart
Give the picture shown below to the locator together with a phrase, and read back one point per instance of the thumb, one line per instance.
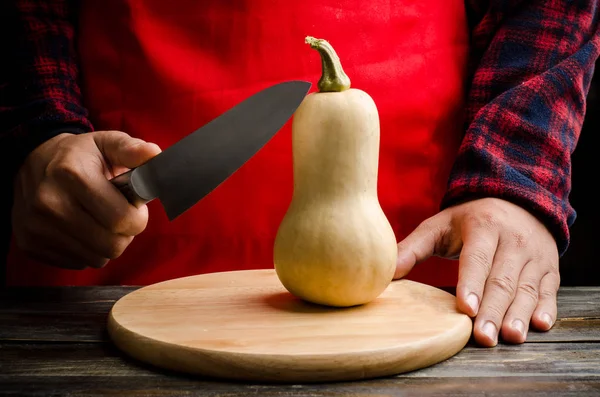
(420, 244)
(121, 150)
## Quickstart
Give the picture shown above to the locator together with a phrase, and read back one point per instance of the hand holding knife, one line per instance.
(184, 173)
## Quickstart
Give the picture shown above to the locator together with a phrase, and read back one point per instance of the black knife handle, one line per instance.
(123, 183)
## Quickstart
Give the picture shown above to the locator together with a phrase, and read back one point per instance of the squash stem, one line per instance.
(333, 78)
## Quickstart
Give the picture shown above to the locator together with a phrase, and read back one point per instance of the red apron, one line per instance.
(158, 70)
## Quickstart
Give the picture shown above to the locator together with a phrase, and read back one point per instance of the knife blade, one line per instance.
(185, 172)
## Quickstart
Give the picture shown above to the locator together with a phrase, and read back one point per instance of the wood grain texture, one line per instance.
(547, 365)
(573, 302)
(578, 317)
(582, 329)
(29, 386)
(576, 302)
(104, 359)
(244, 325)
(65, 314)
(78, 314)
(546, 369)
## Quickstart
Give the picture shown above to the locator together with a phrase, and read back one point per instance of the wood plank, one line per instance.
(578, 302)
(422, 387)
(61, 314)
(531, 359)
(53, 327)
(569, 330)
(536, 359)
(99, 369)
(79, 314)
(573, 301)
(578, 317)
(48, 297)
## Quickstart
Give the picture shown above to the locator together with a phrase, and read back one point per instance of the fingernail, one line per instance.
(519, 326)
(473, 302)
(547, 319)
(489, 330)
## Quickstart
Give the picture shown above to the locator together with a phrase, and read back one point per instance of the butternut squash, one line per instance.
(335, 246)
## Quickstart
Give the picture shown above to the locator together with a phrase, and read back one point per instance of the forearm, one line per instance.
(526, 107)
(39, 94)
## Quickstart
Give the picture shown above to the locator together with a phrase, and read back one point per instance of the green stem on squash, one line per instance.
(333, 77)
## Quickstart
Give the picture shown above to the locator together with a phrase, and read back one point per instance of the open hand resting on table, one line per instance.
(66, 212)
(508, 266)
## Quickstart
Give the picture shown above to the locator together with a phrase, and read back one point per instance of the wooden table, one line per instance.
(53, 342)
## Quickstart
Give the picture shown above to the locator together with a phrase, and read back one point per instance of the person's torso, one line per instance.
(159, 70)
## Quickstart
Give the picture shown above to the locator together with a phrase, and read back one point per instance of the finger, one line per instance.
(420, 244)
(87, 183)
(120, 149)
(516, 322)
(475, 263)
(43, 241)
(545, 313)
(499, 293)
(70, 218)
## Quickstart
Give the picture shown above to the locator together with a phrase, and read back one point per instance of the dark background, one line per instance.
(579, 265)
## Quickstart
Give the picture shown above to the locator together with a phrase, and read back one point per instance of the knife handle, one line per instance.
(123, 183)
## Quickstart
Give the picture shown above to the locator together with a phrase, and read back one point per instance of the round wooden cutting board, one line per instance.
(244, 325)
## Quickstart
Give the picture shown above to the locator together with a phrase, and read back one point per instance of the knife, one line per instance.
(185, 172)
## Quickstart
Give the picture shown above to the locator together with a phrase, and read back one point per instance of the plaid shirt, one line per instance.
(531, 66)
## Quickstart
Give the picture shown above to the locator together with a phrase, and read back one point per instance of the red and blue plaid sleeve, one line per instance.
(39, 94)
(534, 61)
